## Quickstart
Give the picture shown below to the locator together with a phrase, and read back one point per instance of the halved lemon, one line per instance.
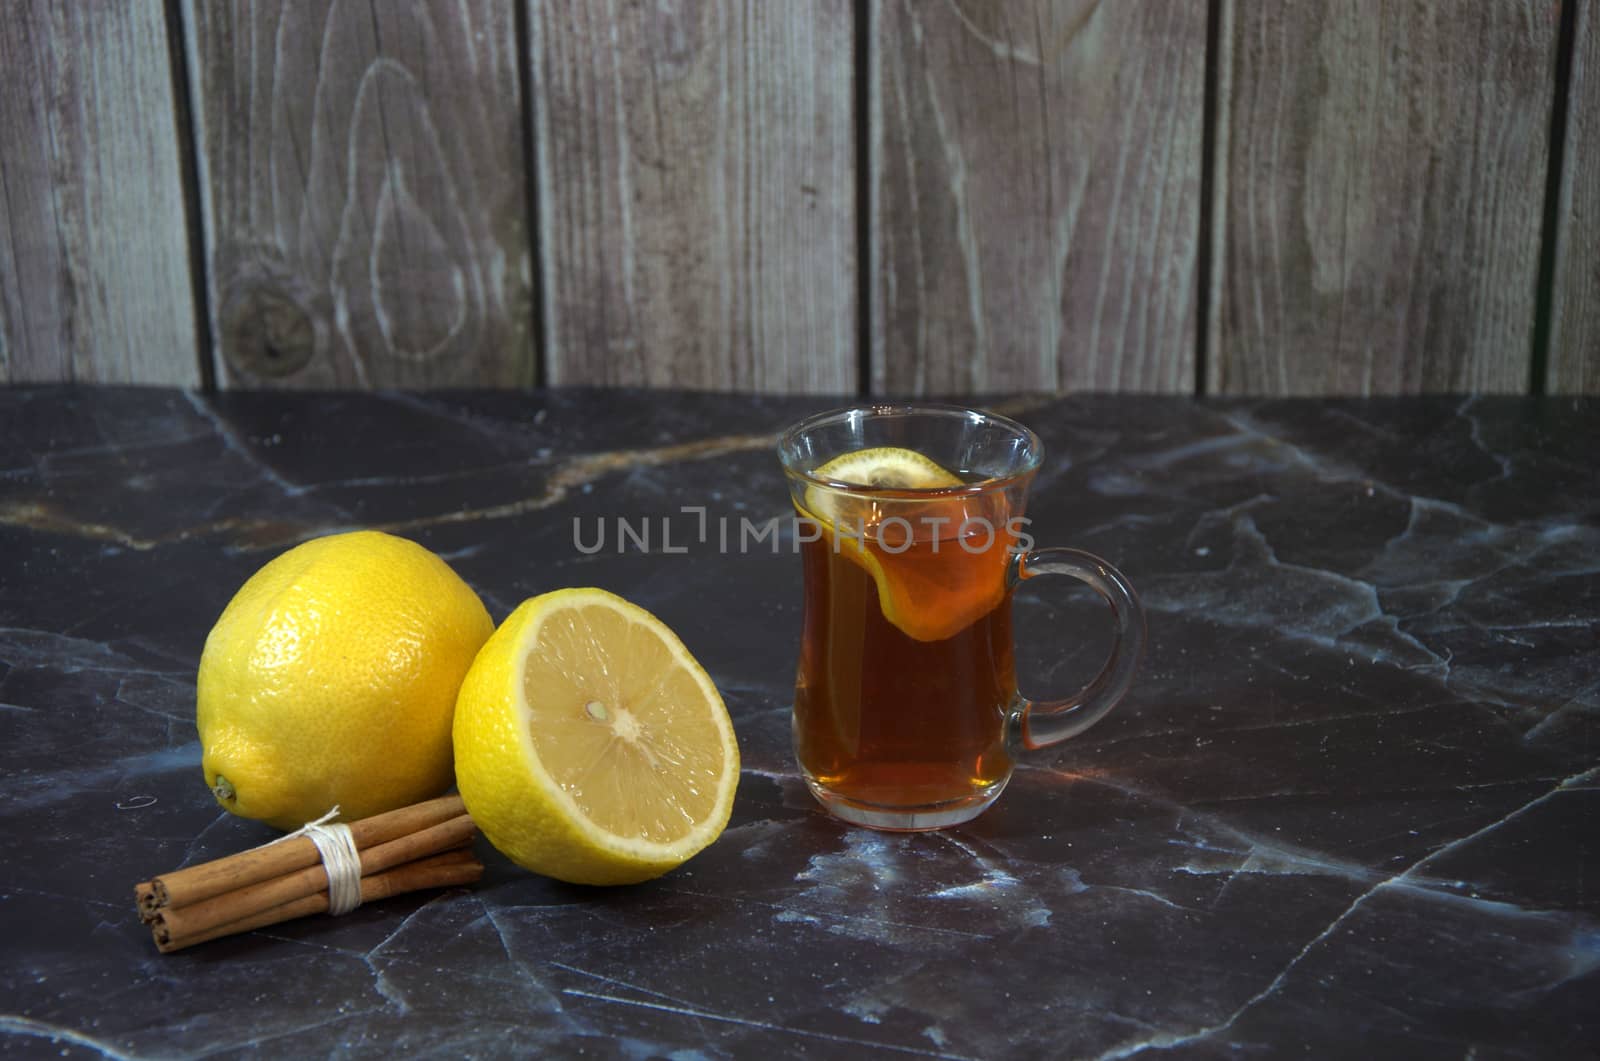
(589, 744)
(928, 592)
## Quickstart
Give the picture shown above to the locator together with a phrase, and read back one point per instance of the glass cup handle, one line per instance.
(1040, 723)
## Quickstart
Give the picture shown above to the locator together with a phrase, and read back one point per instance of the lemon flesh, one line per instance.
(888, 468)
(330, 680)
(928, 594)
(590, 746)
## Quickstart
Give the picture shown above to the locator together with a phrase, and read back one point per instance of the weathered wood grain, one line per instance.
(1035, 194)
(361, 169)
(1380, 183)
(1574, 363)
(94, 269)
(696, 190)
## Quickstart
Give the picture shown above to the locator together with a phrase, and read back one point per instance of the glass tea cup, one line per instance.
(913, 537)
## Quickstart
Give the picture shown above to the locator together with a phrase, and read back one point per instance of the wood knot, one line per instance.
(265, 332)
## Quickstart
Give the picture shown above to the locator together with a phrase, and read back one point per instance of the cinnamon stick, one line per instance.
(444, 870)
(245, 902)
(197, 883)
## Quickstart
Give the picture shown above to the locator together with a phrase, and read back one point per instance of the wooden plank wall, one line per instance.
(364, 192)
(884, 196)
(697, 195)
(1574, 366)
(1380, 197)
(1035, 205)
(94, 257)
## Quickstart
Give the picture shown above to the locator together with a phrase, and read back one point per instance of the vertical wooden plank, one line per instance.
(1036, 194)
(1380, 194)
(362, 176)
(696, 189)
(94, 265)
(1574, 365)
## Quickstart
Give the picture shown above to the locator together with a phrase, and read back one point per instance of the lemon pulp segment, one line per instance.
(888, 467)
(607, 715)
(589, 744)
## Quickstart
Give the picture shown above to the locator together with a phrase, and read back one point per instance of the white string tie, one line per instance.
(341, 860)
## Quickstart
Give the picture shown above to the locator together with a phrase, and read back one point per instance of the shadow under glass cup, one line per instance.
(906, 712)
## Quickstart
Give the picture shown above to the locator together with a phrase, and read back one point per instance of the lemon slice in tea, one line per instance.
(589, 744)
(889, 468)
(929, 593)
(880, 468)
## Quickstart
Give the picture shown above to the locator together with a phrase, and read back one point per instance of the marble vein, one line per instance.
(256, 534)
(1475, 431)
(238, 447)
(623, 984)
(747, 1022)
(47, 787)
(586, 469)
(23, 646)
(15, 1026)
(1168, 1040)
(1262, 856)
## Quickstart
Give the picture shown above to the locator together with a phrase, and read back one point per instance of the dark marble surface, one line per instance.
(1351, 804)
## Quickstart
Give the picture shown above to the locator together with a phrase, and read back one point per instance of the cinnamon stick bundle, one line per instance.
(426, 845)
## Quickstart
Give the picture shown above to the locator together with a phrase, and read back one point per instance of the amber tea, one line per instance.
(885, 718)
(906, 712)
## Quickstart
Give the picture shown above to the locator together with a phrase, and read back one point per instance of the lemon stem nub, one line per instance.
(223, 790)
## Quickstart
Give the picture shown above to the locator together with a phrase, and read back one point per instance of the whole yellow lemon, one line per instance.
(331, 679)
